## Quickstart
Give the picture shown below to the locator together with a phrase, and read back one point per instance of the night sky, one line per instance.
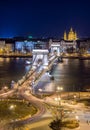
(44, 18)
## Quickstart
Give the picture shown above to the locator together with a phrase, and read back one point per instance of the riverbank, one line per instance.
(16, 55)
(77, 56)
(29, 55)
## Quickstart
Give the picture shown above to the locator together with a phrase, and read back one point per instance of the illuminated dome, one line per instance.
(70, 36)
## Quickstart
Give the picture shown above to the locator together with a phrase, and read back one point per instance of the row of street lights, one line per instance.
(58, 90)
(58, 98)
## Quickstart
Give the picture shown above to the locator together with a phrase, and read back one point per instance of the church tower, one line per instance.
(75, 36)
(65, 36)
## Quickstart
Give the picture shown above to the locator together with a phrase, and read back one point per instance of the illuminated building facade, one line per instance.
(62, 46)
(21, 45)
(68, 46)
(2, 46)
(6, 46)
(71, 36)
(24, 46)
(84, 45)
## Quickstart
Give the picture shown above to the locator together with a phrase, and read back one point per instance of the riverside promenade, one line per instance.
(15, 55)
(64, 55)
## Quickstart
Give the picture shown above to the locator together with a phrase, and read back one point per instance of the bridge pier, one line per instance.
(40, 58)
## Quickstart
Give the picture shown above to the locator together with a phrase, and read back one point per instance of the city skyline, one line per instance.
(44, 18)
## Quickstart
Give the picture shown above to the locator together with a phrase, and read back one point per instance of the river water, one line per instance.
(12, 69)
(72, 74)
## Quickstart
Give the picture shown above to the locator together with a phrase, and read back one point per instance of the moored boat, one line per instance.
(27, 62)
(60, 59)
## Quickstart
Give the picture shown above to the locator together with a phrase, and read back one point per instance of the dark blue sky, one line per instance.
(44, 17)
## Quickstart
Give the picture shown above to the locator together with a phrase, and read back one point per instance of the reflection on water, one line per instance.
(11, 69)
(73, 74)
(27, 68)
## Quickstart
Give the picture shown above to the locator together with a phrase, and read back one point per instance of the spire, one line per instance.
(71, 30)
(75, 36)
(65, 35)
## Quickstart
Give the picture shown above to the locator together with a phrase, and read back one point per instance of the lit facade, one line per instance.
(2, 46)
(27, 46)
(84, 45)
(70, 36)
(24, 46)
(62, 46)
(68, 45)
(9, 48)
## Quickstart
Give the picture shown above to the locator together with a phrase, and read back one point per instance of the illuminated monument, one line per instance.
(40, 57)
(70, 36)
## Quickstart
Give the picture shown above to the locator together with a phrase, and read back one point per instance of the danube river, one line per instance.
(72, 74)
(12, 69)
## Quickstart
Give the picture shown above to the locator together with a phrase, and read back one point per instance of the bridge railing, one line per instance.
(27, 75)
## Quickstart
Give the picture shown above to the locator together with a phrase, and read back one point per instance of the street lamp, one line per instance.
(59, 108)
(58, 99)
(77, 118)
(59, 89)
(75, 97)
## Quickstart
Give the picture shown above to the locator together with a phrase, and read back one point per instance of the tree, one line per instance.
(56, 124)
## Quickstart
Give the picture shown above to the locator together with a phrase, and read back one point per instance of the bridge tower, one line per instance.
(55, 47)
(40, 57)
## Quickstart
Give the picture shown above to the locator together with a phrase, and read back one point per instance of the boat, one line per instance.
(52, 77)
(28, 62)
(60, 59)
